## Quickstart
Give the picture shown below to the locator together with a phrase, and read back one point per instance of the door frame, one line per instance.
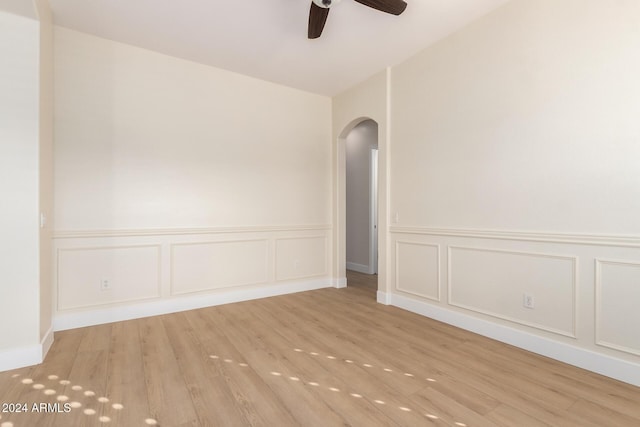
(373, 210)
(339, 212)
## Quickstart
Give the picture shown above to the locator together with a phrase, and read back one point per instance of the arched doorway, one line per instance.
(361, 167)
(364, 133)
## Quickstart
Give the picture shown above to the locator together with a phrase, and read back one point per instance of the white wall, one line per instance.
(514, 169)
(358, 146)
(45, 161)
(182, 184)
(20, 7)
(20, 335)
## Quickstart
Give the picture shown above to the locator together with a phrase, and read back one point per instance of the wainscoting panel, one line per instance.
(159, 271)
(585, 289)
(97, 276)
(617, 298)
(418, 269)
(197, 267)
(494, 282)
(301, 257)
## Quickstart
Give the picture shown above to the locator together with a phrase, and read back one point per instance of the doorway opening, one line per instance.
(361, 198)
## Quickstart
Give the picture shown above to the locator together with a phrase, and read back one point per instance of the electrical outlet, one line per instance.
(105, 284)
(296, 264)
(528, 301)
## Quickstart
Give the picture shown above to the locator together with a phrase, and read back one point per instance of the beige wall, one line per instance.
(144, 140)
(514, 170)
(176, 182)
(525, 120)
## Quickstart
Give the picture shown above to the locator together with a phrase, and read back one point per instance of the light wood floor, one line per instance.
(322, 358)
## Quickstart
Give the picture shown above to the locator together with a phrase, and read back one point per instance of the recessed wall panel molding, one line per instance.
(184, 231)
(205, 266)
(532, 289)
(301, 257)
(622, 241)
(617, 297)
(418, 269)
(97, 276)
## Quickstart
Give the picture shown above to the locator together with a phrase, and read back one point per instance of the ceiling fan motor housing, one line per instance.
(325, 4)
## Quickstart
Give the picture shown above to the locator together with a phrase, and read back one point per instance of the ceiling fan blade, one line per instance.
(394, 7)
(317, 19)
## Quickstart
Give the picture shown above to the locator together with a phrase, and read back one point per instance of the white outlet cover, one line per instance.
(528, 301)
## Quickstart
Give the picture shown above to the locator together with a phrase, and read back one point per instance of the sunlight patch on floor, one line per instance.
(366, 365)
(336, 389)
(64, 398)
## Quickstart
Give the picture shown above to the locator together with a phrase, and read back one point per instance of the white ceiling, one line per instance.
(267, 39)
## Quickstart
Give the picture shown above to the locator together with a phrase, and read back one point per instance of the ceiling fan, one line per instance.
(320, 11)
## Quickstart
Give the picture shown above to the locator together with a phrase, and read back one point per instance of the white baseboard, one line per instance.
(79, 319)
(383, 298)
(360, 268)
(26, 356)
(600, 363)
(20, 357)
(340, 283)
(47, 342)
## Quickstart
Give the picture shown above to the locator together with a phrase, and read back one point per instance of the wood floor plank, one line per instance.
(346, 347)
(167, 393)
(255, 399)
(203, 382)
(267, 361)
(602, 415)
(432, 402)
(329, 372)
(454, 368)
(125, 381)
(507, 416)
